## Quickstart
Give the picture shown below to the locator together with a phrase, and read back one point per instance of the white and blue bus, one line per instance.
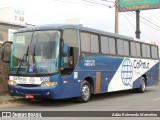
(71, 61)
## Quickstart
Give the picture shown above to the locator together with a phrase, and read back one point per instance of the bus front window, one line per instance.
(35, 52)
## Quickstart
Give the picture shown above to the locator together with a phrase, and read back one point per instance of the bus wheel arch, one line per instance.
(90, 81)
(86, 90)
(143, 84)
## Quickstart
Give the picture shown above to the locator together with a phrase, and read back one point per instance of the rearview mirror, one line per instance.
(6, 53)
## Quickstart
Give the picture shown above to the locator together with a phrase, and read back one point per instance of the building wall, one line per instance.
(4, 31)
(3, 34)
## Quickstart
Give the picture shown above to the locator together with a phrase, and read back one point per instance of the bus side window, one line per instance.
(70, 37)
(67, 60)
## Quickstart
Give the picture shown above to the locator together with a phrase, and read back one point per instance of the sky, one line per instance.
(96, 16)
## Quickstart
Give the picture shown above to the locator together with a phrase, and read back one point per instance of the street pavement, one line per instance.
(115, 101)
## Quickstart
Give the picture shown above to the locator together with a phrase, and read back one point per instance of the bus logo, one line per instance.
(127, 72)
(32, 80)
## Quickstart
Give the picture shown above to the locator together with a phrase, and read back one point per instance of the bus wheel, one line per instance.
(85, 92)
(142, 87)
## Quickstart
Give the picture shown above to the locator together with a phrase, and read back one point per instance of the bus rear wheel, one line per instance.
(85, 92)
(142, 87)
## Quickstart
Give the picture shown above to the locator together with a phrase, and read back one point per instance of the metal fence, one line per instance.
(4, 69)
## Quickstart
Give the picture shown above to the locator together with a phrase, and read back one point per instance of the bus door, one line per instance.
(69, 62)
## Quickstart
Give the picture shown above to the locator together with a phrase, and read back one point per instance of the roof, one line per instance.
(65, 26)
(11, 24)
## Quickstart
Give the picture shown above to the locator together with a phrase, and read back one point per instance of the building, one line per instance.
(11, 19)
(76, 21)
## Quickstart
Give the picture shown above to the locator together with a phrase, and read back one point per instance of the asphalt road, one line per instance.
(116, 101)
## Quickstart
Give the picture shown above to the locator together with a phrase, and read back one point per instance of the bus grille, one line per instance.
(28, 85)
(20, 69)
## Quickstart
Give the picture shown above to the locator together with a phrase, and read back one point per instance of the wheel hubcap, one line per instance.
(85, 92)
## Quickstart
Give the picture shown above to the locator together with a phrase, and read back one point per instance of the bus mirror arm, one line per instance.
(3, 51)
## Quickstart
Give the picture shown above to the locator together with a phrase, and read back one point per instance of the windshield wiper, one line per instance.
(34, 59)
(23, 60)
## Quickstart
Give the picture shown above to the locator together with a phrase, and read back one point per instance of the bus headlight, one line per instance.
(12, 83)
(48, 84)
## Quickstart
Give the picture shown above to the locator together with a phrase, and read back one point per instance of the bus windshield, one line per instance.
(35, 52)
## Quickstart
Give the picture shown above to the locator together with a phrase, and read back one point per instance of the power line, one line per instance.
(128, 21)
(133, 25)
(144, 23)
(153, 16)
(73, 2)
(92, 3)
(145, 36)
(102, 4)
(108, 1)
(98, 3)
(149, 21)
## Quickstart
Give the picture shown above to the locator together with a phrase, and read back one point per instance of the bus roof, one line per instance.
(65, 26)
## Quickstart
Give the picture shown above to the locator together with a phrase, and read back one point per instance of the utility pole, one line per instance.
(137, 24)
(116, 16)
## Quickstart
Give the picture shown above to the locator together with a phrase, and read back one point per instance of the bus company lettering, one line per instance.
(20, 78)
(141, 64)
(89, 63)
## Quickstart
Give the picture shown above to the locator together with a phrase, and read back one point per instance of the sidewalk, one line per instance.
(6, 98)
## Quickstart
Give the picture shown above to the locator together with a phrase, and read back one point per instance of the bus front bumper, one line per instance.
(35, 92)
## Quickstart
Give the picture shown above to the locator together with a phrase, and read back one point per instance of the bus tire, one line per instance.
(85, 92)
(142, 87)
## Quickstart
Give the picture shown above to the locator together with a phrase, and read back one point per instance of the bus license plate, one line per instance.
(29, 96)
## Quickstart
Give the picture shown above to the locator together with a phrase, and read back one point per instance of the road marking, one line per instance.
(156, 99)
